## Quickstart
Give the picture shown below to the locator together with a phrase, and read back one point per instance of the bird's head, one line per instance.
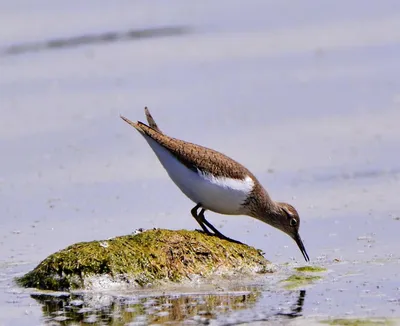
(286, 219)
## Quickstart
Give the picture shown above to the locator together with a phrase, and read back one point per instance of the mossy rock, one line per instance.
(144, 259)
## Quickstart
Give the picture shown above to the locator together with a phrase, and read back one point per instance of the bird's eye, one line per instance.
(293, 222)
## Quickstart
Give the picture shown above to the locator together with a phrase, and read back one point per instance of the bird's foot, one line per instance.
(219, 235)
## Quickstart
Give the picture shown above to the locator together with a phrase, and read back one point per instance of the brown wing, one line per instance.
(196, 157)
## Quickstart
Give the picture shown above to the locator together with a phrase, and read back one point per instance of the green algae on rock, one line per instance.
(144, 259)
(311, 269)
(359, 322)
(298, 280)
(302, 278)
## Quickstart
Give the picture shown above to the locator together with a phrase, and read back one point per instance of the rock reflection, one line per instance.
(121, 310)
(247, 304)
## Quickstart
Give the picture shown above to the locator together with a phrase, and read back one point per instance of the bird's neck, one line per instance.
(260, 203)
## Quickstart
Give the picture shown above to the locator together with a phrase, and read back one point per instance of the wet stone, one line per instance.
(145, 259)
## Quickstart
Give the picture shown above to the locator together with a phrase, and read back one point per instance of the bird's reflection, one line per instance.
(297, 308)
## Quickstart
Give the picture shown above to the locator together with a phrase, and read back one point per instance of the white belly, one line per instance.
(218, 194)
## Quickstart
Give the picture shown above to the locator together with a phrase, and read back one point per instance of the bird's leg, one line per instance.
(199, 220)
(216, 232)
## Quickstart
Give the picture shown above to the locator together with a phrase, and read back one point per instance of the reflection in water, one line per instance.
(298, 307)
(106, 37)
(119, 310)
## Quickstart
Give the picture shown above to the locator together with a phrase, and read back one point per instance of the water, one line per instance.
(305, 95)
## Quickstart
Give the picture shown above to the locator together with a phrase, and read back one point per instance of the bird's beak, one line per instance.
(301, 246)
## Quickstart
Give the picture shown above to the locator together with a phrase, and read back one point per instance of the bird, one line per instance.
(217, 183)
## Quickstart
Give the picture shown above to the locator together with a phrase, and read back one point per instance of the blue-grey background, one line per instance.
(305, 94)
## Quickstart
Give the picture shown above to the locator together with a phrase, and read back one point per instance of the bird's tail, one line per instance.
(139, 125)
(135, 125)
(151, 121)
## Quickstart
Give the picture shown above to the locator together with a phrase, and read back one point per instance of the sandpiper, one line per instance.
(215, 182)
